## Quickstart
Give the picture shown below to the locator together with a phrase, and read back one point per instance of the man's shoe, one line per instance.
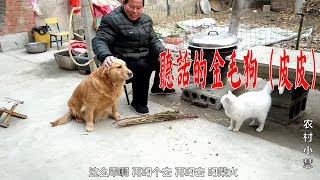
(158, 91)
(140, 109)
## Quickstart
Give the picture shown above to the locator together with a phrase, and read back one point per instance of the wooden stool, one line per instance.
(12, 104)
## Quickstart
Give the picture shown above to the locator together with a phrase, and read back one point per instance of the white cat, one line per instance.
(254, 104)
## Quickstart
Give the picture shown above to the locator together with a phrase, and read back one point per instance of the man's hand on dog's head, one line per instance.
(108, 61)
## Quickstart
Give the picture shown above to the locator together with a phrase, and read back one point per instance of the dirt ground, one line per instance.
(287, 20)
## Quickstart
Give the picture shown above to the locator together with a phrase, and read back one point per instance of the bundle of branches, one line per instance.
(158, 117)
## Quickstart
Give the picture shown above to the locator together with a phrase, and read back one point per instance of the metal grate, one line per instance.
(259, 28)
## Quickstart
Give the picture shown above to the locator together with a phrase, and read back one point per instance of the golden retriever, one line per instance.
(96, 94)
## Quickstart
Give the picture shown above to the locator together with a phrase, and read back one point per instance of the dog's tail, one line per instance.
(268, 87)
(63, 120)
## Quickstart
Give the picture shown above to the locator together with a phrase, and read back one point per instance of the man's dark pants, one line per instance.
(142, 71)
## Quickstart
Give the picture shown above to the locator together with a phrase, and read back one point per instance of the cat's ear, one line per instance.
(229, 92)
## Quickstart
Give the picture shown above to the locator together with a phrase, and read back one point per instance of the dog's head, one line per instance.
(228, 99)
(118, 71)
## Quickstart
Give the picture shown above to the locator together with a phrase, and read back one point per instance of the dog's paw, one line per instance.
(230, 128)
(116, 116)
(259, 129)
(89, 128)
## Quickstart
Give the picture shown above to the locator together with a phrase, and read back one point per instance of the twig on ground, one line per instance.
(158, 117)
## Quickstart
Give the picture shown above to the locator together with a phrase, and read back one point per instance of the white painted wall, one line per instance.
(54, 8)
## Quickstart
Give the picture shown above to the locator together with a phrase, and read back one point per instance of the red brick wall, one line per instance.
(18, 17)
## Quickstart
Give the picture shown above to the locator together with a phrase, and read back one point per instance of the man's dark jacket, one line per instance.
(124, 39)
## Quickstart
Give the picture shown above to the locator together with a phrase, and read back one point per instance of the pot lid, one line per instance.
(213, 40)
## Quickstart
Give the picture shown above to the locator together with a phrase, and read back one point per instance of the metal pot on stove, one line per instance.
(225, 43)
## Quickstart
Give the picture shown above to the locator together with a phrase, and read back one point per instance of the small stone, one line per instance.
(194, 141)
(217, 154)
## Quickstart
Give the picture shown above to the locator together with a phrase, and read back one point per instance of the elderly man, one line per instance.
(128, 34)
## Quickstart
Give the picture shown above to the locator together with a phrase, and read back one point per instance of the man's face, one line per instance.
(133, 9)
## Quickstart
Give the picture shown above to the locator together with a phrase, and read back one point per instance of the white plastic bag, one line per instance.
(35, 8)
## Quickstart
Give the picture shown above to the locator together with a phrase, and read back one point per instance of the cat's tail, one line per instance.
(268, 87)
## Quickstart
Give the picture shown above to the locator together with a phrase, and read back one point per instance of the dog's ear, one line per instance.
(106, 71)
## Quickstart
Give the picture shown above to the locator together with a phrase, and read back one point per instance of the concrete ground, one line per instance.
(32, 149)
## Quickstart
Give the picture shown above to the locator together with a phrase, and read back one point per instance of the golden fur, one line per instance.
(96, 94)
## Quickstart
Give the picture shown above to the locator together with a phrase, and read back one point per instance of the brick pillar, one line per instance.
(16, 16)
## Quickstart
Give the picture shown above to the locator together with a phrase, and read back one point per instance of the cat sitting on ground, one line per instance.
(254, 104)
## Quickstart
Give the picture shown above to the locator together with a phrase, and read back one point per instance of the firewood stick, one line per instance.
(159, 117)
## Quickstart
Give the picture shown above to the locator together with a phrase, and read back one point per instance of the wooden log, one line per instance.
(89, 32)
(235, 16)
(158, 117)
